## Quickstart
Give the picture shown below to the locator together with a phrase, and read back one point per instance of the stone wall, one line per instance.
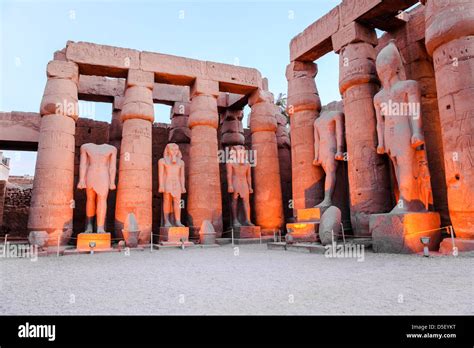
(419, 66)
(3, 187)
(15, 210)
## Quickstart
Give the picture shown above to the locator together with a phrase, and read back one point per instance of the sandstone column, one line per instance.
(266, 173)
(204, 193)
(369, 179)
(284, 159)
(304, 106)
(52, 202)
(115, 130)
(450, 41)
(134, 190)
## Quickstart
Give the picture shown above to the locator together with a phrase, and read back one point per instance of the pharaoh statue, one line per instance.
(171, 184)
(400, 133)
(97, 175)
(329, 146)
(239, 180)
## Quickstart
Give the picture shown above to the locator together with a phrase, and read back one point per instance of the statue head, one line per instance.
(389, 64)
(172, 153)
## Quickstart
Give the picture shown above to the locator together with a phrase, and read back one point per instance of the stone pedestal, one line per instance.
(131, 238)
(401, 233)
(462, 245)
(302, 232)
(102, 241)
(310, 214)
(174, 236)
(247, 232)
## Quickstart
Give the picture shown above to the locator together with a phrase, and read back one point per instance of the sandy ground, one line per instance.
(257, 281)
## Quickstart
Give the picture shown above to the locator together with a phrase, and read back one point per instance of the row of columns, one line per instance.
(450, 41)
(52, 199)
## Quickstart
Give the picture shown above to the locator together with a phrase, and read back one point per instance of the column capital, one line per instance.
(204, 87)
(140, 78)
(260, 96)
(352, 33)
(57, 69)
(357, 65)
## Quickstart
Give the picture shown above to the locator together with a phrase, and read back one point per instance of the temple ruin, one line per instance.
(376, 201)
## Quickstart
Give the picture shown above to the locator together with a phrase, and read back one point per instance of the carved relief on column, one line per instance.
(266, 172)
(450, 41)
(304, 106)
(52, 204)
(204, 193)
(369, 179)
(134, 191)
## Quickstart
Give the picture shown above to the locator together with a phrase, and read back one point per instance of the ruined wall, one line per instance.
(419, 66)
(15, 210)
(3, 187)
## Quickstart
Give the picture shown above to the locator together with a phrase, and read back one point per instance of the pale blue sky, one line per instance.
(247, 33)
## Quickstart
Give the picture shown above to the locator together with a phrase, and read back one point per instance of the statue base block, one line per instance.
(242, 232)
(462, 245)
(174, 235)
(102, 241)
(300, 232)
(309, 214)
(401, 233)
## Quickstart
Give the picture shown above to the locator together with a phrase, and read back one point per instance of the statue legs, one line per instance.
(404, 176)
(329, 185)
(171, 205)
(96, 205)
(235, 217)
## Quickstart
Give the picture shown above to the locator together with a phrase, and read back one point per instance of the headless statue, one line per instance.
(239, 180)
(328, 148)
(399, 131)
(97, 175)
(171, 184)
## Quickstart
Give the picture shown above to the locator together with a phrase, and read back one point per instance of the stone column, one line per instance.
(284, 159)
(134, 190)
(266, 173)
(369, 175)
(179, 130)
(115, 131)
(115, 139)
(52, 201)
(204, 194)
(450, 41)
(304, 106)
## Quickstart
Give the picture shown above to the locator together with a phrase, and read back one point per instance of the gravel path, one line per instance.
(257, 281)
